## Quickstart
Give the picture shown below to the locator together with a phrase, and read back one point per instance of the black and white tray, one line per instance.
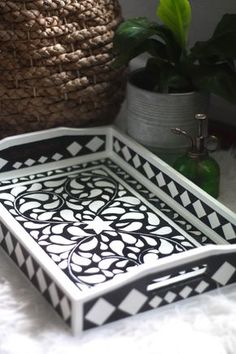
(104, 229)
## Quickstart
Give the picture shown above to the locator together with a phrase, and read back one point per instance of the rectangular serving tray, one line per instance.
(104, 229)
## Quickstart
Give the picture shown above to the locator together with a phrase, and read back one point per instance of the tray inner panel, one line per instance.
(91, 222)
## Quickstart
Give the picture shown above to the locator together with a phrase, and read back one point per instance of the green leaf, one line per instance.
(226, 26)
(167, 78)
(150, 46)
(155, 48)
(131, 33)
(138, 35)
(132, 38)
(218, 79)
(173, 48)
(178, 83)
(176, 15)
(222, 45)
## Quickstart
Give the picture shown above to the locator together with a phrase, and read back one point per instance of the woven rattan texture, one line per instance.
(55, 64)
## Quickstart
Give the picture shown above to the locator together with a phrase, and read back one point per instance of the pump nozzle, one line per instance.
(202, 125)
(202, 131)
(201, 141)
(179, 131)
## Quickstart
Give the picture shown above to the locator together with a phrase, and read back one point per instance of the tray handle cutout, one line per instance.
(171, 280)
(178, 277)
(197, 271)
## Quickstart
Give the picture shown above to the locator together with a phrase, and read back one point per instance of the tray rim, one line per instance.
(163, 264)
(110, 132)
(48, 134)
(175, 174)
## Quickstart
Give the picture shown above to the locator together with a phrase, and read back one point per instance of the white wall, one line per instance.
(206, 14)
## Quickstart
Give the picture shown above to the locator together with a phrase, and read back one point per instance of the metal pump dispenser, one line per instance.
(196, 164)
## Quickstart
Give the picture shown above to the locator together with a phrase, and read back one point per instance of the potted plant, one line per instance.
(176, 81)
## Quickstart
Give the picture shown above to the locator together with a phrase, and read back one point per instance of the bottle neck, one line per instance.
(199, 144)
(195, 154)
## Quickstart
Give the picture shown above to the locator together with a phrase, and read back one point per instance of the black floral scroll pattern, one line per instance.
(169, 212)
(111, 253)
(158, 203)
(91, 225)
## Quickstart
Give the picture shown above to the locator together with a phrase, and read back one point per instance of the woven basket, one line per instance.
(55, 64)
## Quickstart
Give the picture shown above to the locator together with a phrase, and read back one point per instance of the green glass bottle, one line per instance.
(196, 164)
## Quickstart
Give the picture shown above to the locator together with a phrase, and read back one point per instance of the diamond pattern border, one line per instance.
(195, 206)
(134, 298)
(50, 150)
(39, 278)
(6, 182)
(130, 301)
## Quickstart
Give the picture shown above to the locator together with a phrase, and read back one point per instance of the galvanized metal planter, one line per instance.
(151, 116)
